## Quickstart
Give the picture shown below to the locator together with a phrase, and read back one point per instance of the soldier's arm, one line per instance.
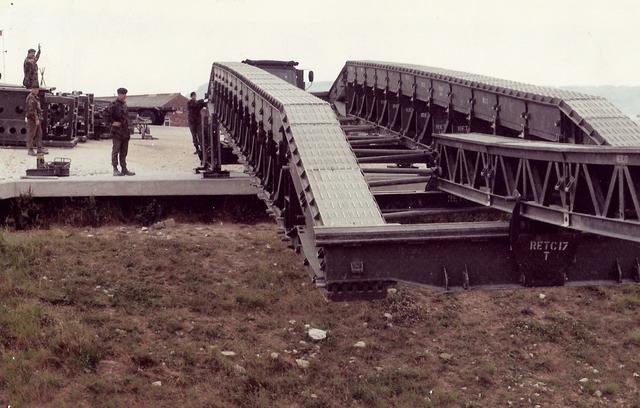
(38, 53)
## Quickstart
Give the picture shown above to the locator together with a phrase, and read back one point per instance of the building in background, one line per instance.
(167, 108)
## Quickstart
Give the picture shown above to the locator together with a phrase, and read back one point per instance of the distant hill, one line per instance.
(626, 98)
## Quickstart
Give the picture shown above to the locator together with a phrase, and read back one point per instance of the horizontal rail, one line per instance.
(589, 189)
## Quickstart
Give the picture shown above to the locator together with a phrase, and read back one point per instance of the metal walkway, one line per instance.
(330, 181)
(399, 147)
(418, 100)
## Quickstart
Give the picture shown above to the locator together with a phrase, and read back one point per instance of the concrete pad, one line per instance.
(164, 167)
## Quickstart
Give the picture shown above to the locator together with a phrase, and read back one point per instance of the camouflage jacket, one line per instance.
(120, 113)
(33, 111)
(31, 72)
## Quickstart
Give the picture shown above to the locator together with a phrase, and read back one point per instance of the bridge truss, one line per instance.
(435, 177)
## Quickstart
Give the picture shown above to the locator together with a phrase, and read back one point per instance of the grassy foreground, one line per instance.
(217, 315)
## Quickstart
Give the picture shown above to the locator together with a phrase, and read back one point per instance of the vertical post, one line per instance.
(205, 140)
(4, 62)
(216, 158)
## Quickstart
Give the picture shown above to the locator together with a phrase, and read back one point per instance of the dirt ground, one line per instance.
(217, 315)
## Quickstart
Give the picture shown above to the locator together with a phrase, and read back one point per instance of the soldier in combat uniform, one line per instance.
(195, 125)
(120, 134)
(34, 121)
(31, 69)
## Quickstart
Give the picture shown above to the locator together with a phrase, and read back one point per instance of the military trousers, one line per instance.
(34, 135)
(119, 151)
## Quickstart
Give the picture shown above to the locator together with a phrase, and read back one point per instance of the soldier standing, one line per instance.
(31, 69)
(195, 125)
(34, 121)
(120, 134)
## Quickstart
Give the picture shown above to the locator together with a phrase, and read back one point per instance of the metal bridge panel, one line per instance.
(331, 180)
(394, 81)
(461, 98)
(441, 92)
(600, 120)
(511, 112)
(341, 199)
(485, 105)
(544, 121)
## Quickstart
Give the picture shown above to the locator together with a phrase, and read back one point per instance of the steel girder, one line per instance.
(309, 177)
(298, 153)
(462, 117)
(589, 189)
(417, 101)
(276, 124)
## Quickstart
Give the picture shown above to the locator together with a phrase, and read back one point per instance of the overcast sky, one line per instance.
(161, 46)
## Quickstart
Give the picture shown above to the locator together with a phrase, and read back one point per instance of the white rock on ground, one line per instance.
(302, 363)
(360, 344)
(445, 356)
(157, 383)
(317, 334)
(228, 353)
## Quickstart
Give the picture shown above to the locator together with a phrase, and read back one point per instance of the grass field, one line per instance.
(118, 316)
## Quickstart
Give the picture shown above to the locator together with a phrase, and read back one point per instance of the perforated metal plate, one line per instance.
(328, 170)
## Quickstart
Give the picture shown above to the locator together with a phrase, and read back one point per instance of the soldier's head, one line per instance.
(31, 53)
(35, 89)
(193, 96)
(122, 94)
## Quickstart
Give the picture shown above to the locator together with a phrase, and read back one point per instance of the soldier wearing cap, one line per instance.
(33, 114)
(31, 69)
(120, 134)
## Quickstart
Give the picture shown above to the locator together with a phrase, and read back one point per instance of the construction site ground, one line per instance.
(218, 315)
(169, 153)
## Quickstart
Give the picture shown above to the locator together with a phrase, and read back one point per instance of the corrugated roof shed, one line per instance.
(151, 100)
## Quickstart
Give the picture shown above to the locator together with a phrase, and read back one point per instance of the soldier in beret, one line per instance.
(120, 134)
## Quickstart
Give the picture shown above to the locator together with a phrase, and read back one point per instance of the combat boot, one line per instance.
(126, 172)
(31, 152)
(116, 172)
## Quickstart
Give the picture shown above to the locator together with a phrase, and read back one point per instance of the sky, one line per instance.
(169, 46)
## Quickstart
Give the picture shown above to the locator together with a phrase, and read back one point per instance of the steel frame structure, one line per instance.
(60, 120)
(417, 101)
(66, 117)
(321, 178)
(578, 184)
